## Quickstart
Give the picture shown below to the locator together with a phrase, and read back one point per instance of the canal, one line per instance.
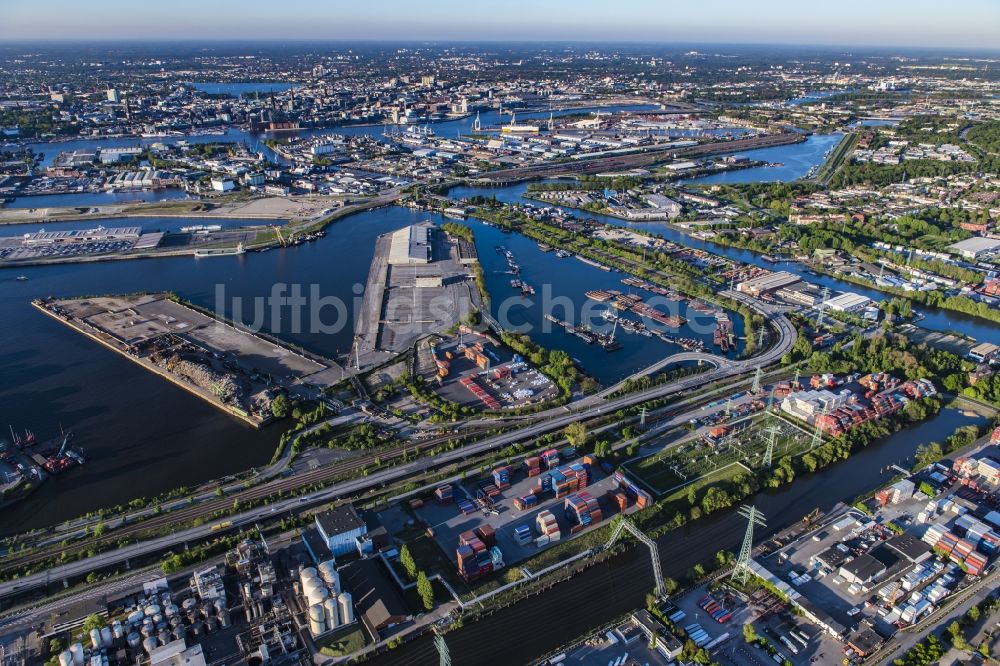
(605, 591)
(144, 436)
(933, 319)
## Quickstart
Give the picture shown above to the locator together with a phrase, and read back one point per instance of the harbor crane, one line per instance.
(281, 239)
(624, 524)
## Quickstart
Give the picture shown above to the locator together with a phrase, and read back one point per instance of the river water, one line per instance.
(599, 594)
(933, 319)
(144, 436)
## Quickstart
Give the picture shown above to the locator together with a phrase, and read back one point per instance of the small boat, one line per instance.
(21, 278)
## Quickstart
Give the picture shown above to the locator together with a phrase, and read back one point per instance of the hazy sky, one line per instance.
(963, 23)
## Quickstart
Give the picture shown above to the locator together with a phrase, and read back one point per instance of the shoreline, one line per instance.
(194, 390)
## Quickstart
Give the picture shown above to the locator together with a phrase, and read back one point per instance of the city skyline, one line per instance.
(970, 24)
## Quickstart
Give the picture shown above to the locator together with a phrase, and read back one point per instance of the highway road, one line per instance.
(550, 421)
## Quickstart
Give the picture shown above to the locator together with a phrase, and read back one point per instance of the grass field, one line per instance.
(678, 465)
(729, 472)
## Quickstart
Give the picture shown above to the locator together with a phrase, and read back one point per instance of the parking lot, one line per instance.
(770, 618)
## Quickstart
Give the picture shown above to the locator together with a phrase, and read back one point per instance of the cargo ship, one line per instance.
(599, 295)
(670, 321)
(220, 252)
(54, 455)
(723, 336)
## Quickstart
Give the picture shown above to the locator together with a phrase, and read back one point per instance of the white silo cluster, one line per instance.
(328, 606)
(153, 622)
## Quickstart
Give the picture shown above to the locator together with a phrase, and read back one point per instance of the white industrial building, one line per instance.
(805, 405)
(767, 283)
(411, 245)
(847, 302)
(112, 155)
(975, 248)
(222, 185)
(340, 528)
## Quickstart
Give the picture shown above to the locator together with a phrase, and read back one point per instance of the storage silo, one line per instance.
(95, 638)
(106, 639)
(318, 595)
(76, 649)
(307, 572)
(317, 619)
(346, 608)
(332, 613)
(327, 570)
(65, 658)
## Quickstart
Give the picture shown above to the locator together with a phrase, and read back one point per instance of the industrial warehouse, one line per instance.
(417, 285)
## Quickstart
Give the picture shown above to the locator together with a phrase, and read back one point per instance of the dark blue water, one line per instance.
(144, 436)
(448, 129)
(795, 161)
(95, 198)
(934, 319)
(147, 224)
(816, 96)
(240, 89)
(560, 286)
(605, 591)
(51, 150)
(877, 122)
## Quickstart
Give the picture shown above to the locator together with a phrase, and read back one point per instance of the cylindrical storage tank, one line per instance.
(335, 583)
(175, 621)
(135, 617)
(152, 609)
(117, 629)
(220, 605)
(65, 658)
(311, 585)
(149, 644)
(147, 629)
(134, 640)
(179, 633)
(346, 608)
(163, 637)
(317, 619)
(224, 619)
(106, 636)
(211, 624)
(332, 613)
(189, 603)
(76, 649)
(307, 572)
(95, 638)
(326, 570)
(318, 596)
(170, 610)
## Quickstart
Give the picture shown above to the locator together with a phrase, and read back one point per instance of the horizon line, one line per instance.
(499, 41)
